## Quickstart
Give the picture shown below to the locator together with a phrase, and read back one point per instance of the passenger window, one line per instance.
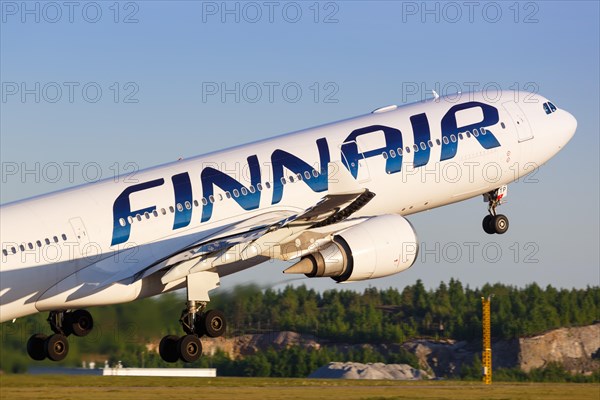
(475, 132)
(468, 134)
(64, 237)
(139, 217)
(445, 139)
(407, 149)
(438, 142)
(39, 244)
(122, 221)
(163, 211)
(129, 219)
(399, 151)
(259, 187)
(392, 153)
(423, 146)
(430, 144)
(147, 215)
(204, 202)
(155, 213)
(220, 197)
(291, 179)
(460, 136)
(315, 173)
(547, 108)
(14, 251)
(196, 202)
(236, 193)
(188, 205)
(55, 239)
(306, 174)
(268, 185)
(228, 195)
(483, 131)
(46, 240)
(453, 138)
(22, 247)
(30, 245)
(179, 207)
(211, 198)
(283, 181)
(244, 191)
(251, 189)
(4, 252)
(385, 155)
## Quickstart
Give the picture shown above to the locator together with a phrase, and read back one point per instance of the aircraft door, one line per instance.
(355, 163)
(520, 121)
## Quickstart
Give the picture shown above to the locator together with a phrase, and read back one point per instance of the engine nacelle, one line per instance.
(380, 246)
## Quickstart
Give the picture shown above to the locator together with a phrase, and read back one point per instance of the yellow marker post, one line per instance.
(486, 357)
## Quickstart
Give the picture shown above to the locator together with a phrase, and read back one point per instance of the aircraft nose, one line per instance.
(569, 126)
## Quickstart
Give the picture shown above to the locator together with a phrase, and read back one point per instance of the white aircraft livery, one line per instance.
(331, 199)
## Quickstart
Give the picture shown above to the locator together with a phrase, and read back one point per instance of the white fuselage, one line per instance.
(54, 246)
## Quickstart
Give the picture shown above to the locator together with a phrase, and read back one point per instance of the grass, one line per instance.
(141, 388)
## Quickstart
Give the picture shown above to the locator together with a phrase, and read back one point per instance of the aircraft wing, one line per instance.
(238, 240)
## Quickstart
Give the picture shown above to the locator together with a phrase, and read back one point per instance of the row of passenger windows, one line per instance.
(424, 145)
(235, 193)
(32, 245)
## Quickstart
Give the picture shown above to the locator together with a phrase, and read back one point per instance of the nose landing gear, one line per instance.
(495, 223)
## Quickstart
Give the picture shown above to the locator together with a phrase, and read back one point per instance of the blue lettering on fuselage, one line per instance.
(281, 159)
(122, 210)
(351, 154)
(248, 197)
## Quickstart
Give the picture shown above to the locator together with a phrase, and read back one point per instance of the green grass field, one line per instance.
(125, 388)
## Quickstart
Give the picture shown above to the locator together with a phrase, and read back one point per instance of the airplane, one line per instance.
(332, 199)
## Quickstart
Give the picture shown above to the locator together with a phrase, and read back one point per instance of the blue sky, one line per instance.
(98, 88)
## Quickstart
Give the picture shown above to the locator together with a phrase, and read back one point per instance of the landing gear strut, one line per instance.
(195, 321)
(63, 323)
(495, 223)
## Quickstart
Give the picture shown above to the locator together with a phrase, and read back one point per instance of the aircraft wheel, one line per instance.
(214, 323)
(36, 347)
(487, 225)
(57, 347)
(168, 348)
(80, 322)
(500, 224)
(190, 348)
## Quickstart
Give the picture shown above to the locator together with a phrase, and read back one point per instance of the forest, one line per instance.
(451, 310)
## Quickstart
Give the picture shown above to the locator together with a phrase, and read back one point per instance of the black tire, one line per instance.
(214, 323)
(36, 347)
(168, 349)
(487, 225)
(190, 348)
(500, 224)
(80, 322)
(57, 347)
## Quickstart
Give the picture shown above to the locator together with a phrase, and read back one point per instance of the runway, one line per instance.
(125, 388)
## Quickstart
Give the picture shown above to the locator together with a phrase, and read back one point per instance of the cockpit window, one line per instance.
(547, 108)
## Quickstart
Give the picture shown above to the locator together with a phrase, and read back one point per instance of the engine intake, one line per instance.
(380, 246)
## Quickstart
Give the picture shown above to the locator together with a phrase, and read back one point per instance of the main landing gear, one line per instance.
(63, 323)
(495, 223)
(195, 321)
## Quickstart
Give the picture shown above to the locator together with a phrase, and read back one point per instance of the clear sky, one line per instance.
(91, 88)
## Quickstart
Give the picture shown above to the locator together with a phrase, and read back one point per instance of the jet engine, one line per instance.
(380, 246)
